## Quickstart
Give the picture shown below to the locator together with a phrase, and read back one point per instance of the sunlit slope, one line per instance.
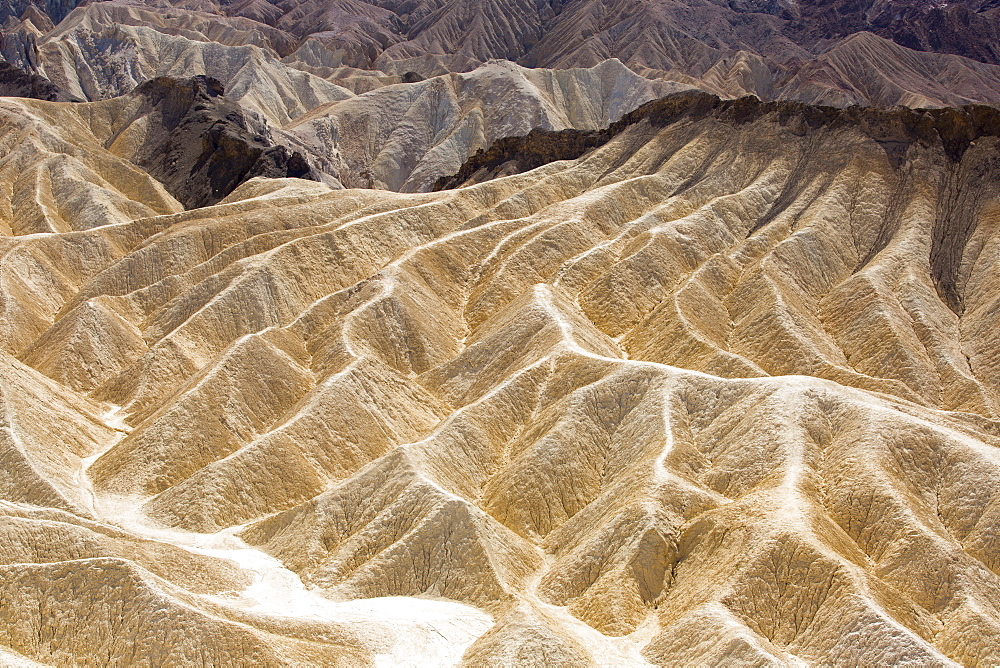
(58, 177)
(404, 137)
(724, 388)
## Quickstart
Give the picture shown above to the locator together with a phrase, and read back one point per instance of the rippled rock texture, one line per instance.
(721, 389)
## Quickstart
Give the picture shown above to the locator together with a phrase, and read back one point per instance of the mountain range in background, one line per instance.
(660, 34)
(834, 53)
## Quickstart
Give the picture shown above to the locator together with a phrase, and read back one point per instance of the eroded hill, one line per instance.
(723, 387)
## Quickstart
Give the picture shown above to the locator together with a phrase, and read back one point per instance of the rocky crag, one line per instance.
(15, 82)
(201, 146)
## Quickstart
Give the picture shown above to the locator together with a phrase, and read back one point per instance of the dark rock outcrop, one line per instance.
(205, 145)
(15, 82)
(514, 155)
(953, 129)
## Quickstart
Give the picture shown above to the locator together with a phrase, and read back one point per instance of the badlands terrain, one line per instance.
(288, 57)
(499, 333)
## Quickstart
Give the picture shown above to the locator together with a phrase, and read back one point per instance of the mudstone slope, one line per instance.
(721, 386)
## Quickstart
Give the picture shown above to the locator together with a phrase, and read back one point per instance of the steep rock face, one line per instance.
(79, 166)
(61, 177)
(15, 82)
(515, 155)
(200, 145)
(952, 130)
(19, 46)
